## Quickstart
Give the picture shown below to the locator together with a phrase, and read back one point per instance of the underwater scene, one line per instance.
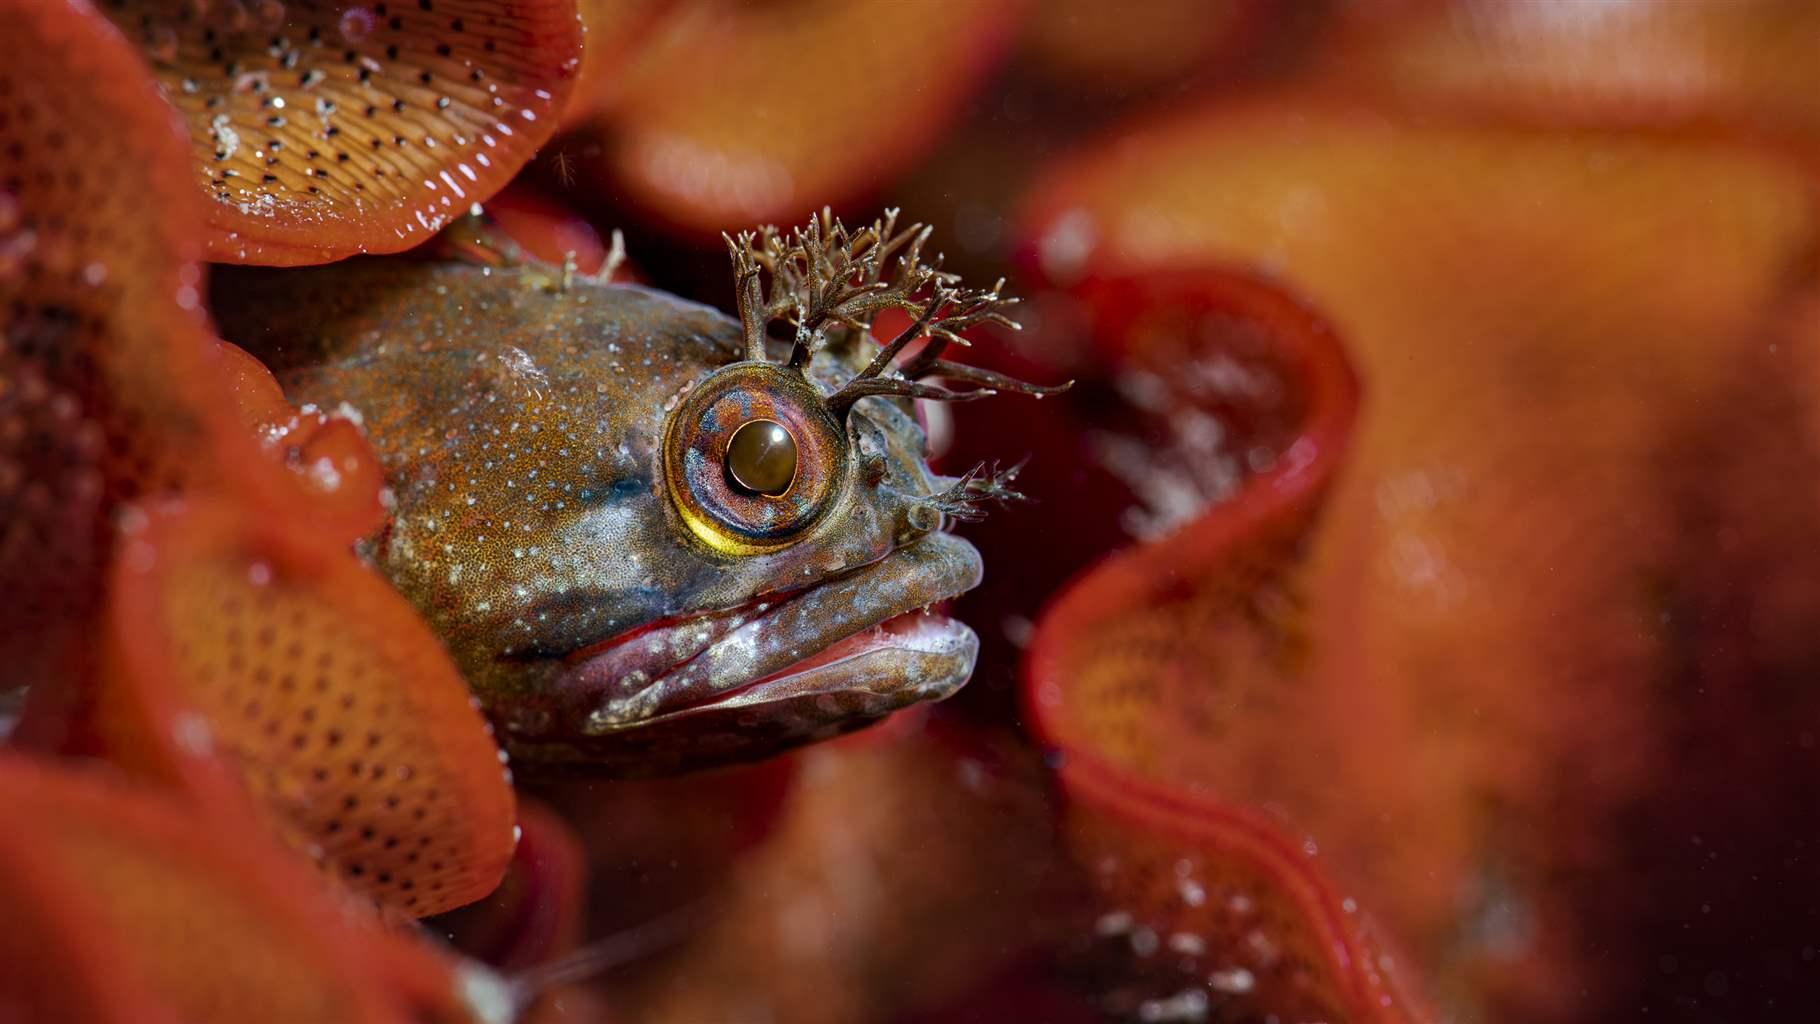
(909, 511)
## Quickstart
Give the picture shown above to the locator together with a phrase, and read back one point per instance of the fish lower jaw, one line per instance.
(906, 659)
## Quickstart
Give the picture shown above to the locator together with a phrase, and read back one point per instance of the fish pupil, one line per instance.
(761, 458)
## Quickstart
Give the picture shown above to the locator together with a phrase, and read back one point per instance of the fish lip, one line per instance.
(926, 658)
(777, 651)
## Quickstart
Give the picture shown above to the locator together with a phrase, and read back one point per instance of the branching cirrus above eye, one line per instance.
(756, 452)
(827, 283)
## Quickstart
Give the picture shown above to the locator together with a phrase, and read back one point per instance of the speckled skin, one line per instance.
(521, 427)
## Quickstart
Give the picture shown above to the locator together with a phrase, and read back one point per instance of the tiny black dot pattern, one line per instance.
(387, 118)
(345, 718)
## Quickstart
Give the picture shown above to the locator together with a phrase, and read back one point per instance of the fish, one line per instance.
(653, 537)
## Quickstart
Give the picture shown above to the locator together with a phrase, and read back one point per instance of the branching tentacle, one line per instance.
(825, 282)
(966, 498)
(746, 269)
(882, 362)
(866, 387)
(984, 378)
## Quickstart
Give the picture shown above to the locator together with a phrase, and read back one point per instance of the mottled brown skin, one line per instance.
(522, 426)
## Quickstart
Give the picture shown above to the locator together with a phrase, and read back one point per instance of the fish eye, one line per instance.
(761, 458)
(753, 457)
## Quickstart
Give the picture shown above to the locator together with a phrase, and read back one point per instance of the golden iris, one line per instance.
(761, 458)
(753, 458)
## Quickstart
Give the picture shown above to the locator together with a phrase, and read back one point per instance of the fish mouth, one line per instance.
(795, 666)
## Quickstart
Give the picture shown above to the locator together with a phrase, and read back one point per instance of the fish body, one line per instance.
(564, 519)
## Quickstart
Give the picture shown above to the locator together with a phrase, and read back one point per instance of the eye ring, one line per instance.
(794, 458)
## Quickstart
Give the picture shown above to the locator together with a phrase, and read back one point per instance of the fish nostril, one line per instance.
(924, 518)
